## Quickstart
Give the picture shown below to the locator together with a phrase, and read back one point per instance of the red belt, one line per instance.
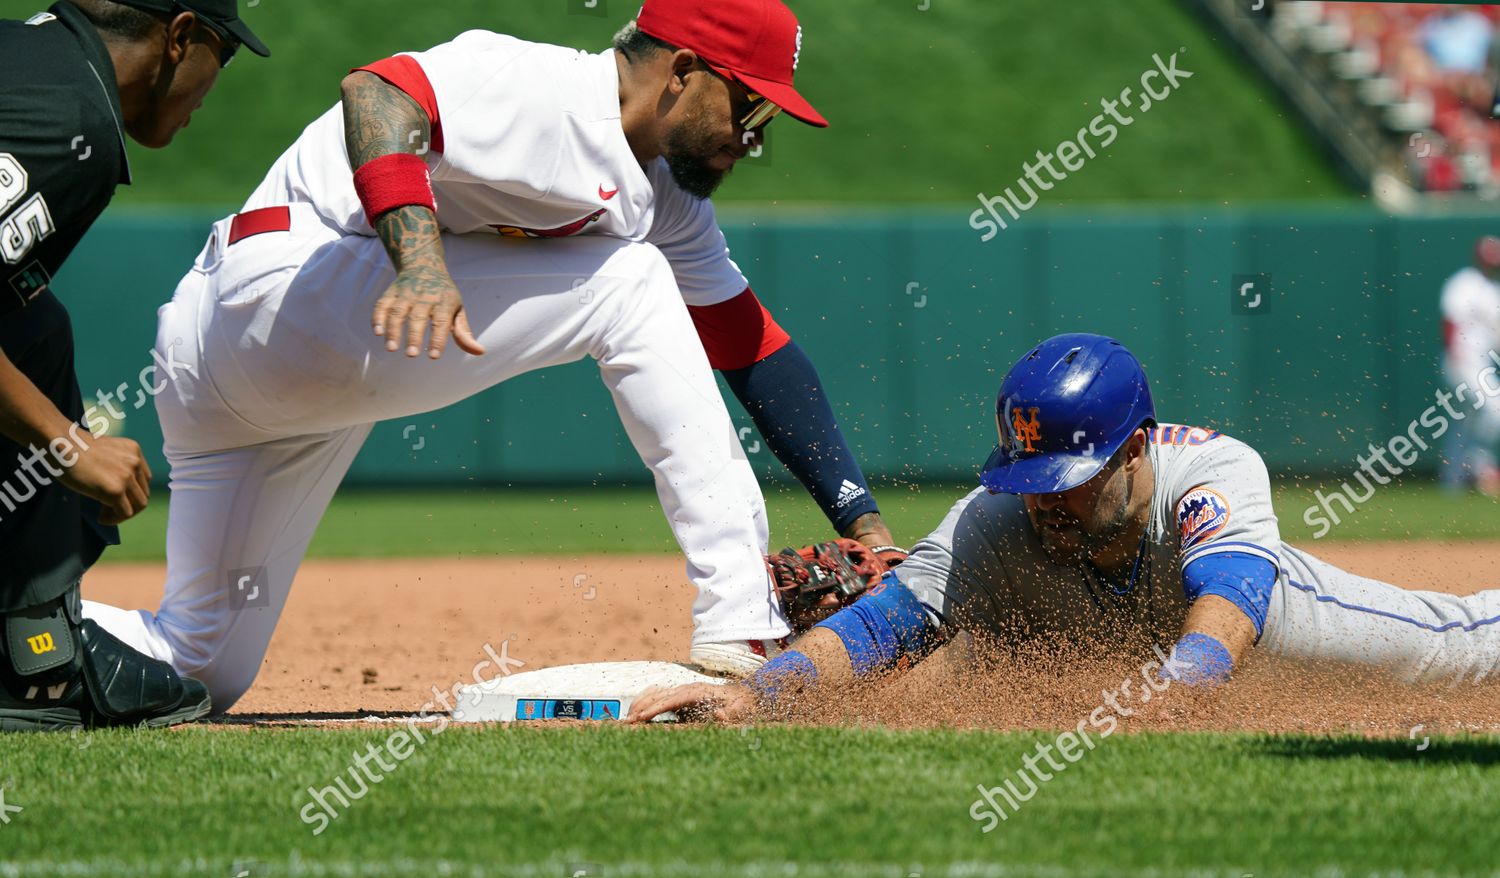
(258, 222)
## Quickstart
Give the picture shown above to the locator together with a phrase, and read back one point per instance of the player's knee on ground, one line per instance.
(199, 655)
(226, 682)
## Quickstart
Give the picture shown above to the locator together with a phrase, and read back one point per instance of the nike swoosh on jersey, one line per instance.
(607, 195)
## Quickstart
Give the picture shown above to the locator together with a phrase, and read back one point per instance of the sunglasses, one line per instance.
(759, 110)
(229, 45)
(762, 111)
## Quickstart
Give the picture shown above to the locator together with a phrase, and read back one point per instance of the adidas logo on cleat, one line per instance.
(848, 493)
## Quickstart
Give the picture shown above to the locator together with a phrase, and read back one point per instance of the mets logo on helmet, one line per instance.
(1026, 433)
(1201, 513)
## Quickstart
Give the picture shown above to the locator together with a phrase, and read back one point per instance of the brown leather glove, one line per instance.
(816, 581)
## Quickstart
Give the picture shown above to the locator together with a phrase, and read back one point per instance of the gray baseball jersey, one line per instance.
(984, 570)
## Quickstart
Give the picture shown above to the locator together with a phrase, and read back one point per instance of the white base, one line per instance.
(598, 691)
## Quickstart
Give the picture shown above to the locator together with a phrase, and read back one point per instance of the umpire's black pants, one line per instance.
(48, 535)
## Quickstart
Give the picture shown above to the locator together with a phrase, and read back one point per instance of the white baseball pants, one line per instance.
(283, 378)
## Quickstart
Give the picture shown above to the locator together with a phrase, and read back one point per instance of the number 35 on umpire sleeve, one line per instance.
(22, 229)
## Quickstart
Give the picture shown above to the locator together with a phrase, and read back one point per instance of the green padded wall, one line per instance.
(912, 319)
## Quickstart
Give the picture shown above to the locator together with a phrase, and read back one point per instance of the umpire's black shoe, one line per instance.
(58, 675)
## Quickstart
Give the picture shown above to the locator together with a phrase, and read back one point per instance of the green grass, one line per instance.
(745, 801)
(501, 521)
(1400, 512)
(568, 521)
(927, 106)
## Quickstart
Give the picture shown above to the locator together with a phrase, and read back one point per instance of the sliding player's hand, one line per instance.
(730, 703)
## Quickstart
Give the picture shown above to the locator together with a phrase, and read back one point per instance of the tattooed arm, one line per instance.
(380, 120)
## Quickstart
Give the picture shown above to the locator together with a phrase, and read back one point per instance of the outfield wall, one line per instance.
(913, 319)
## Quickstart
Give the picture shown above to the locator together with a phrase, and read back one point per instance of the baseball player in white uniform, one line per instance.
(1097, 524)
(535, 205)
(1471, 330)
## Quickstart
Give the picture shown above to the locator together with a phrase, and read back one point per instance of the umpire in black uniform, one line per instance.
(75, 81)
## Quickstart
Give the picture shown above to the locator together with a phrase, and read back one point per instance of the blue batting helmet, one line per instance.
(1064, 409)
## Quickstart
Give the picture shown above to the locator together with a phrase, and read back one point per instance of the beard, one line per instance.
(1078, 540)
(689, 148)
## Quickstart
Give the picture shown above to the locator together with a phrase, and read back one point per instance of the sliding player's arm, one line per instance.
(1215, 637)
(869, 637)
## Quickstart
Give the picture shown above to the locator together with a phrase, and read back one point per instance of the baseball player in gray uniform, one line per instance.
(1094, 522)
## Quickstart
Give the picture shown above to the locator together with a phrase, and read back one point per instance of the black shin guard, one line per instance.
(60, 671)
(41, 644)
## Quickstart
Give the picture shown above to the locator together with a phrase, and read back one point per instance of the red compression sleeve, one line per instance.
(738, 332)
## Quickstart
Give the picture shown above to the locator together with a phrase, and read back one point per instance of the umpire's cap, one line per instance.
(1064, 409)
(224, 13)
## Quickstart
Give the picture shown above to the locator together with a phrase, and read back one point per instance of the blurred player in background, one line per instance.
(1471, 336)
(74, 83)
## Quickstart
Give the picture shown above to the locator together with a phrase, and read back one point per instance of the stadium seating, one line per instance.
(1425, 71)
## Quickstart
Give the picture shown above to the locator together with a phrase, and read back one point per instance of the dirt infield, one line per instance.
(376, 636)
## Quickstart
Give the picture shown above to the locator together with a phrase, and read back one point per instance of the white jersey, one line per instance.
(538, 194)
(527, 143)
(1471, 318)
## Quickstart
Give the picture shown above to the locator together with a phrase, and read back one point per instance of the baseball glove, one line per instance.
(816, 581)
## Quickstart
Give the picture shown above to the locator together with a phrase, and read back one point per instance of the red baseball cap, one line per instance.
(757, 42)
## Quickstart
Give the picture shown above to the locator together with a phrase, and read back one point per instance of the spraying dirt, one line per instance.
(363, 637)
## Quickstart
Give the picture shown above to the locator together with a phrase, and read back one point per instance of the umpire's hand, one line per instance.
(113, 471)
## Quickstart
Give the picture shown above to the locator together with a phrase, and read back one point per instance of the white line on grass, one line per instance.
(296, 868)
